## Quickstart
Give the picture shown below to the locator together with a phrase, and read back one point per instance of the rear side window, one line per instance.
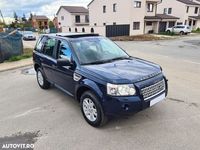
(49, 46)
(40, 43)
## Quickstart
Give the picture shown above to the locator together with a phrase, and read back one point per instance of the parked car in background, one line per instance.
(101, 76)
(179, 29)
(28, 35)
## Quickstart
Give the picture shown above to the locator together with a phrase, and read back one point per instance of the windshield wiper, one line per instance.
(120, 58)
(106, 61)
(96, 62)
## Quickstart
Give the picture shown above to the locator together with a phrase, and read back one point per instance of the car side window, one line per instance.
(49, 46)
(40, 43)
(64, 51)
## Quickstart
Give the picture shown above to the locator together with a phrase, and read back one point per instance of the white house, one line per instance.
(188, 11)
(128, 17)
(70, 16)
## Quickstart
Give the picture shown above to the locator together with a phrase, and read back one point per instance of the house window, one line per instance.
(83, 29)
(187, 10)
(62, 18)
(171, 24)
(194, 22)
(169, 10)
(185, 22)
(149, 23)
(137, 4)
(114, 23)
(104, 24)
(77, 19)
(196, 10)
(92, 30)
(165, 11)
(104, 9)
(86, 18)
(136, 25)
(179, 23)
(115, 7)
(95, 24)
(150, 7)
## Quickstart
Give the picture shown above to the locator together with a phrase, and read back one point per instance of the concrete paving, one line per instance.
(56, 117)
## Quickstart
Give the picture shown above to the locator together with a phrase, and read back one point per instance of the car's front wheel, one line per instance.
(182, 33)
(42, 82)
(92, 109)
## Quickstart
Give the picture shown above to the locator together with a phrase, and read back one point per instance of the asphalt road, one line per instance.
(52, 120)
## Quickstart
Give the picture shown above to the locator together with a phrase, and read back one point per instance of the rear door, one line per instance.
(48, 58)
(64, 74)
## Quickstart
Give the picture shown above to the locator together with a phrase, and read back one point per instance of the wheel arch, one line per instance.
(36, 66)
(88, 85)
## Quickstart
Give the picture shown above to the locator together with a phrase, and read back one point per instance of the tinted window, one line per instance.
(49, 47)
(40, 43)
(64, 50)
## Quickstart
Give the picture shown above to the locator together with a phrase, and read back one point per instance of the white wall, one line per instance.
(99, 30)
(67, 18)
(126, 13)
(178, 9)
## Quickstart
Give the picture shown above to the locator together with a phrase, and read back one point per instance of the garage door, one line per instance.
(117, 30)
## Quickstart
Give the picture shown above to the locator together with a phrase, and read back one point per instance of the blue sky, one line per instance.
(38, 7)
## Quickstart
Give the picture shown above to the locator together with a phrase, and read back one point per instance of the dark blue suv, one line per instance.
(102, 77)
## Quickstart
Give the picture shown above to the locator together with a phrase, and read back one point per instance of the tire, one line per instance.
(168, 31)
(92, 110)
(182, 33)
(42, 82)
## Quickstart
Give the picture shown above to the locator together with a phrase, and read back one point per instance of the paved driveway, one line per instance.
(55, 121)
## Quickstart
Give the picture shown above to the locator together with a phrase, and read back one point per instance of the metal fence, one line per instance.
(10, 45)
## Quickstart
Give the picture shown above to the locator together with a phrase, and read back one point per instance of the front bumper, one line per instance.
(115, 106)
(29, 38)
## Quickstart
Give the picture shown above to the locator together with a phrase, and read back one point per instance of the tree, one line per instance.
(31, 17)
(51, 25)
(15, 17)
(24, 18)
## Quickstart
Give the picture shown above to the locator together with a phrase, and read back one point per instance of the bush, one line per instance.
(167, 33)
(196, 31)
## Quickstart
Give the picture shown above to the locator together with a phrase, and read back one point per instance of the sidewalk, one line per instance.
(16, 64)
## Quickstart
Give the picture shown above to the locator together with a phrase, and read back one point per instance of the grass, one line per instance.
(196, 31)
(167, 33)
(27, 53)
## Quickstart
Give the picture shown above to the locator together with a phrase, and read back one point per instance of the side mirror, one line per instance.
(64, 62)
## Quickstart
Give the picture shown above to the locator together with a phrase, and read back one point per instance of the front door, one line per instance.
(162, 26)
(64, 74)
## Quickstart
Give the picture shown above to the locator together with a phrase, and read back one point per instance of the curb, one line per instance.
(13, 68)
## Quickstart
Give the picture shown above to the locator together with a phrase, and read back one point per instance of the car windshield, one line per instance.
(97, 50)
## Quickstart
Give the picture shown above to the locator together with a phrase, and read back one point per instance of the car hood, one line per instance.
(123, 71)
(27, 35)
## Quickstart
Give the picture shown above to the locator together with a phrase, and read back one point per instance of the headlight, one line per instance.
(121, 90)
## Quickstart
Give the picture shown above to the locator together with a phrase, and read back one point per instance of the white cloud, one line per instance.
(39, 7)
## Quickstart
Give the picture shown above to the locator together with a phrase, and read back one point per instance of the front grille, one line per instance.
(153, 90)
